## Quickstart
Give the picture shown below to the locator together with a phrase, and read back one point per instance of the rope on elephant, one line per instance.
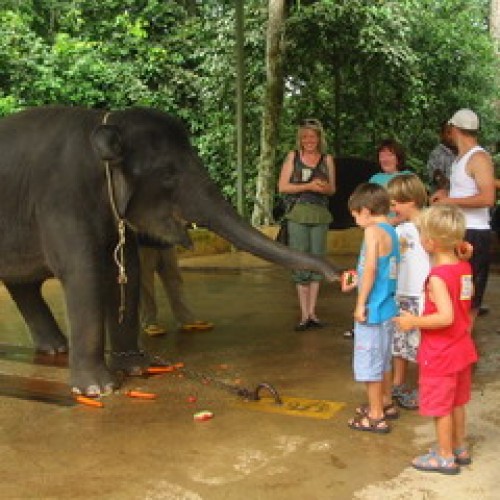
(119, 257)
(118, 253)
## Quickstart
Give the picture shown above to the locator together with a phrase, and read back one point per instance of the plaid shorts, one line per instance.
(405, 344)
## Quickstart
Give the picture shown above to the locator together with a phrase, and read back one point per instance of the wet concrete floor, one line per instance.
(135, 449)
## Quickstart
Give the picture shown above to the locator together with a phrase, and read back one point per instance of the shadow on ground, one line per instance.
(134, 449)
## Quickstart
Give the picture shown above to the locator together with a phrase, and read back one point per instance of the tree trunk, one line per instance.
(265, 183)
(495, 22)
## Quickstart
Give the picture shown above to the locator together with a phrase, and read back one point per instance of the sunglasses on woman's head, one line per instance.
(310, 121)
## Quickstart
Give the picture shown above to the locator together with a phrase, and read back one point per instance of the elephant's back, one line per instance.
(39, 141)
(47, 126)
(44, 118)
(46, 158)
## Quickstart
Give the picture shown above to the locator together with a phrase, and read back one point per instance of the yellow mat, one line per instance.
(300, 407)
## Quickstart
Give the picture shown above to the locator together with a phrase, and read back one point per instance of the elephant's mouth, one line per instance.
(174, 233)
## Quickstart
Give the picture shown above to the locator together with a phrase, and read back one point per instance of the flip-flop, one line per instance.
(315, 323)
(196, 326)
(302, 326)
(154, 330)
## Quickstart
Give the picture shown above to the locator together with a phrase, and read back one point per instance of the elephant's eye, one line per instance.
(169, 183)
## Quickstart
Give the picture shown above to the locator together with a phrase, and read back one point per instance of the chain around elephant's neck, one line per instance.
(118, 252)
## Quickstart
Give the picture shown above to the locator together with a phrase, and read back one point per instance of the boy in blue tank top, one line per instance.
(375, 307)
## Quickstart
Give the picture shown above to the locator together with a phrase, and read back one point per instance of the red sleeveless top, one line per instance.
(447, 350)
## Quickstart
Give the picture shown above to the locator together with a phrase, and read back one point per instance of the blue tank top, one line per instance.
(381, 304)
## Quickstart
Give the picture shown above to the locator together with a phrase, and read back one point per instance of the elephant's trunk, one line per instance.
(210, 210)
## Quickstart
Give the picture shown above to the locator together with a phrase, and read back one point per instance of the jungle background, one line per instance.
(368, 69)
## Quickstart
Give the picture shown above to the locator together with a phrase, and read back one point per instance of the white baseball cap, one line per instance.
(465, 119)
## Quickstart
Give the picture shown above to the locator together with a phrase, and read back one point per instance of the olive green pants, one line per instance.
(307, 238)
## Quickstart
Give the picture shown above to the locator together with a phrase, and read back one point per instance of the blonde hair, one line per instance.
(407, 187)
(445, 224)
(315, 125)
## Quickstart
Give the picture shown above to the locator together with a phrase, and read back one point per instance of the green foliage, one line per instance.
(389, 68)
(368, 69)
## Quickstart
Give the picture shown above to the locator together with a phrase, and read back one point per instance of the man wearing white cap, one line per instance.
(472, 188)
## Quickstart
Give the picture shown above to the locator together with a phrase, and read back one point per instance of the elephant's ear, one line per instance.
(107, 143)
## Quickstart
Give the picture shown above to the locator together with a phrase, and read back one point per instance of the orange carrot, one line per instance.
(89, 401)
(179, 365)
(141, 395)
(159, 369)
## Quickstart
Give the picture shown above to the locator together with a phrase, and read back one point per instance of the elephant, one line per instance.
(77, 185)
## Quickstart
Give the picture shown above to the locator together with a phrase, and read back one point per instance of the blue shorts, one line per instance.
(372, 351)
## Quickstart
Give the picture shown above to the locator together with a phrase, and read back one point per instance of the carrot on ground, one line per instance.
(89, 401)
(141, 395)
(159, 369)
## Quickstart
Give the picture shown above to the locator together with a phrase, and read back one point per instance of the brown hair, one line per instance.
(394, 147)
(407, 187)
(371, 196)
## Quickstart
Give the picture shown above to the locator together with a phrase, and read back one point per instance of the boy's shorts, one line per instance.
(439, 395)
(405, 344)
(372, 351)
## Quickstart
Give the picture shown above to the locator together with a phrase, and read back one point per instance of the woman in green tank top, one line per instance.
(307, 179)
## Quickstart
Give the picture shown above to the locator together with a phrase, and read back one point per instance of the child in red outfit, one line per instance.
(446, 351)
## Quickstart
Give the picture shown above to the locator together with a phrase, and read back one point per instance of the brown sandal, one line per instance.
(365, 423)
(391, 411)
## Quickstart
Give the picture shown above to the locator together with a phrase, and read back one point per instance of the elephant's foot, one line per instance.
(133, 363)
(51, 350)
(58, 359)
(93, 382)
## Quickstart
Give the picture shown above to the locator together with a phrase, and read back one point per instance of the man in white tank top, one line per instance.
(472, 188)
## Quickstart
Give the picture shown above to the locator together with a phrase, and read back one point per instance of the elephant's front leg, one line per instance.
(122, 314)
(46, 334)
(85, 299)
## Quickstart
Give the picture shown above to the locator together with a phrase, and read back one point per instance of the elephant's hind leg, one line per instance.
(46, 334)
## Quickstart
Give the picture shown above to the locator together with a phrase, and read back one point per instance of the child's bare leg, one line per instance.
(444, 431)
(473, 315)
(400, 366)
(387, 388)
(458, 436)
(375, 399)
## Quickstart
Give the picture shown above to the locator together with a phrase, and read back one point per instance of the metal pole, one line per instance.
(240, 125)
